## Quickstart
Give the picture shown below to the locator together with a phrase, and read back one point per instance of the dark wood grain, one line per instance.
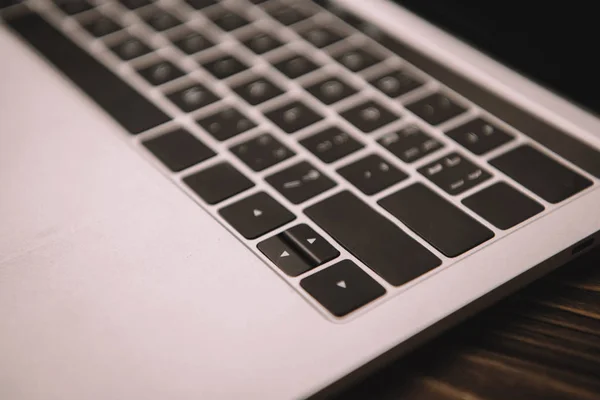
(540, 343)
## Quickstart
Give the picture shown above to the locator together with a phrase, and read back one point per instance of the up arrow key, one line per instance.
(341, 284)
(284, 254)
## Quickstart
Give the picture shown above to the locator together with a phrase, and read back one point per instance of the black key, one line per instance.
(369, 116)
(285, 256)
(436, 108)
(293, 116)
(129, 108)
(192, 97)
(129, 48)
(160, 72)
(229, 20)
(331, 90)
(300, 182)
(226, 123)
(331, 144)
(262, 152)
(479, 136)
(256, 215)
(539, 173)
(200, 4)
(454, 173)
(436, 220)
(101, 25)
(225, 66)
(217, 183)
(372, 174)
(258, 90)
(160, 20)
(178, 149)
(342, 288)
(503, 206)
(310, 244)
(73, 7)
(288, 14)
(134, 4)
(410, 143)
(262, 42)
(321, 36)
(357, 59)
(396, 83)
(372, 238)
(193, 43)
(296, 66)
(8, 3)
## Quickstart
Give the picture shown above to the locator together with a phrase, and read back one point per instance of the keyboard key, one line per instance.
(372, 174)
(200, 4)
(372, 238)
(129, 48)
(369, 116)
(342, 288)
(129, 108)
(262, 42)
(217, 183)
(285, 256)
(436, 108)
(296, 66)
(331, 144)
(454, 173)
(321, 36)
(396, 83)
(192, 97)
(159, 19)
(503, 206)
(258, 90)
(479, 136)
(178, 149)
(262, 152)
(229, 20)
(225, 66)
(312, 245)
(9, 3)
(357, 59)
(300, 182)
(331, 90)
(100, 25)
(436, 220)
(293, 116)
(226, 123)
(134, 4)
(288, 14)
(541, 174)
(256, 215)
(410, 143)
(72, 7)
(160, 72)
(193, 42)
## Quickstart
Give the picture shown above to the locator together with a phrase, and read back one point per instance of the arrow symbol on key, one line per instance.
(257, 213)
(311, 240)
(341, 284)
(284, 254)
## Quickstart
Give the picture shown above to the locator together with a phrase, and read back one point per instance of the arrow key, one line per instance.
(311, 244)
(284, 256)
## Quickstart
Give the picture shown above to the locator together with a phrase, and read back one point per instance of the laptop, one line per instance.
(268, 199)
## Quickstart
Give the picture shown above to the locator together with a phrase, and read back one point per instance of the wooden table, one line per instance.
(541, 343)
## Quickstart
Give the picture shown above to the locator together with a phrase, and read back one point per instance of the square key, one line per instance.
(229, 20)
(192, 97)
(217, 183)
(193, 42)
(262, 152)
(262, 42)
(369, 116)
(295, 66)
(321, 36)
(372, 174)
(503, 206)
(160, 72)
(331, 90)
(479, 136)
(225, 66)
(72, 7)
(100, 25)
(129, 48)
(300, 182)
(454, 173)
(358, 59)
(293, 116)
(331, 144)
(258, 90)
(226, 123)
(410, 143)
(436, 108)
(178, 149)
(396, 83)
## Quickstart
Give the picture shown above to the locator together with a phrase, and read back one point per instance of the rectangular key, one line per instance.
(539, 173)
(129, 108)
(436, 220)
(372, 238)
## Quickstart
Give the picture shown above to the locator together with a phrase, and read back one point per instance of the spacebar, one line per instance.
(372, 238)
(129, 108)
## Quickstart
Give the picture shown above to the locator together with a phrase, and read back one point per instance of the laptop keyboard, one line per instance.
(343, 165)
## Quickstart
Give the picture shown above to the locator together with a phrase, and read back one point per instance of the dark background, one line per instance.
(557, 43)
